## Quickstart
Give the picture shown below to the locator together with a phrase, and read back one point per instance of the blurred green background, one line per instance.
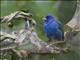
(63, 10)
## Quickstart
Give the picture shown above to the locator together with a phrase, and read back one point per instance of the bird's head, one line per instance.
(48, 18)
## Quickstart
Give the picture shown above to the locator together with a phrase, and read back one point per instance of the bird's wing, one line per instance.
(59, 23)
(61, 27)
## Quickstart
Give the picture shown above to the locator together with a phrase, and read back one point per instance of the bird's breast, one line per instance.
(50, 28)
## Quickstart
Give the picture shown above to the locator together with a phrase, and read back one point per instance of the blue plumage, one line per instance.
(53, 28)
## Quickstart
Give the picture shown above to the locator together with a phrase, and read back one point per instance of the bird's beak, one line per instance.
(44, 19)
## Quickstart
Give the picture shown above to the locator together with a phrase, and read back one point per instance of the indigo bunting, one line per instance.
(53, 28)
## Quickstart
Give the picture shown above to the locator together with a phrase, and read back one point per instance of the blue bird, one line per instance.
(53, 28)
